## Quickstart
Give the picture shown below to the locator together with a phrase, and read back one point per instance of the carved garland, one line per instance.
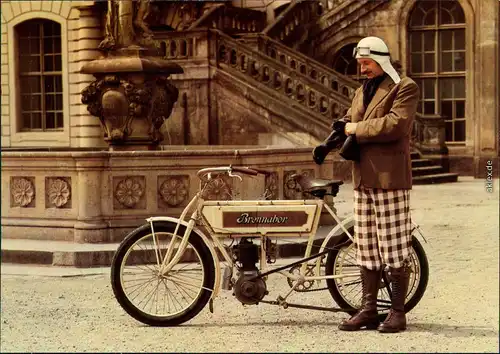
(272, 190)
(154, 100)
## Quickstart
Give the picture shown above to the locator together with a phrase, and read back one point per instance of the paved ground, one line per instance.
(43, 311)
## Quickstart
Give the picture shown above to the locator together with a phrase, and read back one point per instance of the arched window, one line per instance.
(437, 61)
(39, 75)
(345, 63)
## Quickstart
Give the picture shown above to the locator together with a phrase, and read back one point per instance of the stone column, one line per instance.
(85, 34)
(486, 125)
(90, 227)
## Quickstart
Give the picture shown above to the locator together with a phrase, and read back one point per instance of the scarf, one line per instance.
(370, 86)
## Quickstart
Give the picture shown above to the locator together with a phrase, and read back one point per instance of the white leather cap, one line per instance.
(376, 49)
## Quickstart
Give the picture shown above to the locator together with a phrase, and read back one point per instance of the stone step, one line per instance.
(414, 155)
(426, 170)
(436, 178)
(87, 255)
(420, 162)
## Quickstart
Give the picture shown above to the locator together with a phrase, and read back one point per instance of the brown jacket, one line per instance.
(383, 134)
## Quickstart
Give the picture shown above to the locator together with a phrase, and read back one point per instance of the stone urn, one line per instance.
(132, 97)
(131, 94)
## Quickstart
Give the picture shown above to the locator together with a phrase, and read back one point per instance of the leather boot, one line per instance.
(367, 316)
(396, 319)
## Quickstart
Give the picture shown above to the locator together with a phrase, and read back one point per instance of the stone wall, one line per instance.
(99, 196)
(80, 34)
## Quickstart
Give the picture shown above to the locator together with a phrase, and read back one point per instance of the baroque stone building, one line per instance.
(256, 74)
(268, 73)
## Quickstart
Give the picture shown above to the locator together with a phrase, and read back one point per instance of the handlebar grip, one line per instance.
(246, 170)
(263, 172)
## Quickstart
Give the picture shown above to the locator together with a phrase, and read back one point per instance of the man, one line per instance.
(380, 119)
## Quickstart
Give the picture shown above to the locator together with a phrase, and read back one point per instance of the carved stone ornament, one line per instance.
(117, 102)
(272, 190)
(291, 189)
(58, 192)
(129, 191)
(22, 191)
(174, 190)
(217, 189)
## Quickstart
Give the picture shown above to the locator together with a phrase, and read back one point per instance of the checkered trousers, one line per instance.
(382, 227)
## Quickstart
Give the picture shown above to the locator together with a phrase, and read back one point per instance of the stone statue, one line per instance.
(126, 24)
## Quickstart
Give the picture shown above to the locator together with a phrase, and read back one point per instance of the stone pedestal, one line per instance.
(131, 96)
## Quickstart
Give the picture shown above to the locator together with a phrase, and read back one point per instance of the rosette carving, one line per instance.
(22, 191)
(58, 192)
(217, 189)
(129, 191)
(174, 190)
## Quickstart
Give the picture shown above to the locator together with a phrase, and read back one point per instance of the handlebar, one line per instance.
(229, 169)
(247, 170)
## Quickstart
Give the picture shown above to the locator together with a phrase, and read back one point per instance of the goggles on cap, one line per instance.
(366, 51)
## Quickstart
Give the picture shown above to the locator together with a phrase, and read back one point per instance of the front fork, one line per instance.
(168, 262)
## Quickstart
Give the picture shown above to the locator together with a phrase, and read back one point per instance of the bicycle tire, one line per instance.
(410, 303)
(208, 276)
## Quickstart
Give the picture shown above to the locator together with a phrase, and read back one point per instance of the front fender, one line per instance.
(339, 229)
(205, 239)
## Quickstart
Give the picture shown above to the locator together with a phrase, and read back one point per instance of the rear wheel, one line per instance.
(347, 291)
(155, 299)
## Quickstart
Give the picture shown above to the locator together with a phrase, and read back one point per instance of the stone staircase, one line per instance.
(316, 92)
(425, 172)
(342, 14)
(294, 26)
(312, 27)
(307, 70)
(303, 94)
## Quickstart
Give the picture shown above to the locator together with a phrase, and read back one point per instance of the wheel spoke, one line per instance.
(350, 291)
(166, 296)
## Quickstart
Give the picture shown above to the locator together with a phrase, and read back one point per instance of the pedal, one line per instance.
(211, 305)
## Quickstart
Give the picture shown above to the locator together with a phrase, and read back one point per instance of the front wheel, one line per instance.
(346, 289)
(155, 299)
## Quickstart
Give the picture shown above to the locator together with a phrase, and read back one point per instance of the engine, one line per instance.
(247, 291)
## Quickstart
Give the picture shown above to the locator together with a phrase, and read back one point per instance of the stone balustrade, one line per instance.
(299, 87)
(342, 15)
(182, 45)
(331, 4)
(98, 196)
(230, 19)
(344, 86)
(310, 85)
(289, 26)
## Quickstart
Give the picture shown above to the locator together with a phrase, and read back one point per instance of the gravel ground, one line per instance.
(459, 311)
